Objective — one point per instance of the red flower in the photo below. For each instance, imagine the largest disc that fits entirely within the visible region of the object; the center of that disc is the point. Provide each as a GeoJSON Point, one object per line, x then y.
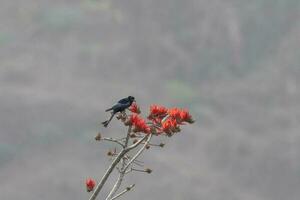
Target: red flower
{"type": "Point", "coordinates": [139, 124]}
{"type": "Point", "coordinates": [170, 126]}
{"type": "Point", "coordinates": [162, 120]}
{"type": "Point", "coordinates": [186, 117]}
{"type": "Point", "coordinates": [132, 119]}
{"type": "Point", "coordinates": [135, 108]}
{"type": "Point", "coordinates": [90, 184]}
{"type": "Point", "coordinates": [175, 113]}
{"type": "Point", "coordinates": [157, 111]}
{"type": "Point", "coordinates": [180, 115]}
{"type": "Point", "coordinates": [156, 120]}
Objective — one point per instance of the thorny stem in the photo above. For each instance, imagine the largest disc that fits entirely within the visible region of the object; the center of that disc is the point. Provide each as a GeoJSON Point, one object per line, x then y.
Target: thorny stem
{"type": "Point", "coordinates": [113, 165]}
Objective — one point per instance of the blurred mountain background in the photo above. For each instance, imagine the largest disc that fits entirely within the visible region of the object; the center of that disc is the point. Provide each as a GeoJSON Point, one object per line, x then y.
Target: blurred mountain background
{"type": "Point", "coordinates": [234, 64]}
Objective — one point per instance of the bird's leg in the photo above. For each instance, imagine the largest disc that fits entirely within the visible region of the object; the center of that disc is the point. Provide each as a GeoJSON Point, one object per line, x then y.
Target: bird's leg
{"type": "Point", "coordinates": [105, 123]}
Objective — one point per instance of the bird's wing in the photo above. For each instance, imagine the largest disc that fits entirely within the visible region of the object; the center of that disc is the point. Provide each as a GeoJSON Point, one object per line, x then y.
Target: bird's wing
{"type": "Point", "coordinates": [114, 107]}
{"type": "Point", "coordinates": [118, 105]}
{"type": "Point", "coordinates": [123, 101]}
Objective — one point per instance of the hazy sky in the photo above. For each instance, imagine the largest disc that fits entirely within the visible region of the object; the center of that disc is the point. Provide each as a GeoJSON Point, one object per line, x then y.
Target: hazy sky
{"type": "Point", "coordinates": [63, 64]}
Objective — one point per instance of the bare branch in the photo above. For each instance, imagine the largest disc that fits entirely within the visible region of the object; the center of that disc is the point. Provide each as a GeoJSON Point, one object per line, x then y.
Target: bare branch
{"type": "Point", "coordinates": [137, 143]}
{"type": "Point", "coordinates": [127, 138]}
{"type": "Point", "coordinates": [113, 140]}
{"type": "Point", "coordinates": [121, 173]}
{"type": "Point", "coordinates": [138, 164]}
{"type": "Point", "coordinates": [117, 184]}
{"type": "Point", "coordinates": [138, 153]}
{"type": "Point", "coordinates": [109, 170]}
{"type": "Point", "coordinates": [115, 162]}
{"type": "Point", "coordinates": [123, 192]}
{"type": "Point", "coordinates": [128, 171]}
{"type": "Point", "coordinates": [124, 168]}
{"type": "Point", "coordinates": [107, 173]}
{"type": "Point", "coordinates": [139, 170]}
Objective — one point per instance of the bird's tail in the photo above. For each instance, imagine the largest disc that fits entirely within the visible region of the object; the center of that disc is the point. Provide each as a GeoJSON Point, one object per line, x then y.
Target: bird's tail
{"type": "Point", "coordinates": [108, 109]}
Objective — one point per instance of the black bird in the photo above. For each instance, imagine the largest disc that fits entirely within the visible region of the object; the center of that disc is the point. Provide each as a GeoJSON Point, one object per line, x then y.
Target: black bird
{"type": "Point", "coordinates": [119, 107]}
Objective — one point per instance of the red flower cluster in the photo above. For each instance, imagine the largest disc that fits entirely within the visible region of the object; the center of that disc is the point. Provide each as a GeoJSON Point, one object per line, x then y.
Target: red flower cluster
{"type": "Point", "coordinates": [169, 119]}
{"type": "Point", "coordinates": [170, 126]}
{"type": "Point", "coordinates": [162, 120]}
{"type": "Point", "coordinates": [180, 115]}
{"type": "Point", "coordinates": [157, 111]}
{"type": "Point", "coordinates": [90, 184]}
{"type": "Point", "coordinates": [139, 124]}
{"type": "Point", "coordinates": [135, 108]}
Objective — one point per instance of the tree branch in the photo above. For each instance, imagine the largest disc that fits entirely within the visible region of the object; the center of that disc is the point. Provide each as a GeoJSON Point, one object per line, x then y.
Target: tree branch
{"type": "Point", "coordinates": [125, 166]}
{"type": "Point", "coordinates": [117, 184]}
{"type": "Point", "coordinates": [109, 170]}
{"type": "Point", "coordinates": [113, 140]}
{"type": "Point", "coordinates": [137, 143]}
{"type": "Point", "coordinates": [107, 173]}
{"type": "Point", "coordinates": [121, 175]}
{"type": "Point", "coordinates": [123, 192]}
{"type": "Point", "coordinates": [138, 153]}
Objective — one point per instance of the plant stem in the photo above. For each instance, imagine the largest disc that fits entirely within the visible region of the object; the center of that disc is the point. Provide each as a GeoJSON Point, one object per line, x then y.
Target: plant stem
{"type": "Point", "coordinates": [123, 192]}
{"type": "Point", "coordinates": [124, 168]}
{"type": "Point", "coordinates": [113, 165]}
{"type": "Point", "coordinates": [106, 175]}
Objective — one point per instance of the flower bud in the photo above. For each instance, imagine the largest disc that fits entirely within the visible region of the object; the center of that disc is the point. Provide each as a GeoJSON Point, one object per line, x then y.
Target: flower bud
{"type": "Point", "coordinates": [134, 108]}
{"type": "Point", "coordinates": [162, 145]}
{"type": "Point", "coordinates": [109, 153]}
{"type": "Point", "coordinates": [98, 137]}
{"type": "Point", "coordinates": [90, 184]}
{"type": "Point", "coordinates": [148, 170]}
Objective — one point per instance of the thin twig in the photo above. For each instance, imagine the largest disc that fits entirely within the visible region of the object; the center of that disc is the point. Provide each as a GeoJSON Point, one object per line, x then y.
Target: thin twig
{"type": "Point", "coordinates": [113, 140]}
{"type": "Point", "coordinates": [138, 153]}
{"type": "Point", "coordinates": [127, 157]}
{"type": "Point", "coordinates": [137, 143]}
{"type": "Point", "coordinates": [128, 171]}
{"type": "Point", "coordinates": [138, 164]}
{"type": "Point", "coordinates": [117, 184]}
{"type": "Point", "coordinates": [127, 138]}
{"type": "Point", "coordinates": [109, 170]}
{"type": "Point", "coordinates": [121, 174]}
{"type": "Point", "coordinates": [107, 173]}
{"type": "Point", "coordinates": [123, 192]}
{"type": "Point", "coordinates": [113, 165]}
{"type": "Point", "coordinates": [139, 170]}
{"type": "Point", "coordinates": [123, 169]}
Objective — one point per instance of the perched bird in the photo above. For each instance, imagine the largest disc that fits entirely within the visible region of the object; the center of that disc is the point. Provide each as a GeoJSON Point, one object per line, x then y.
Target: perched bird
{"type": "Point", "coordinates": [119, 107]}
